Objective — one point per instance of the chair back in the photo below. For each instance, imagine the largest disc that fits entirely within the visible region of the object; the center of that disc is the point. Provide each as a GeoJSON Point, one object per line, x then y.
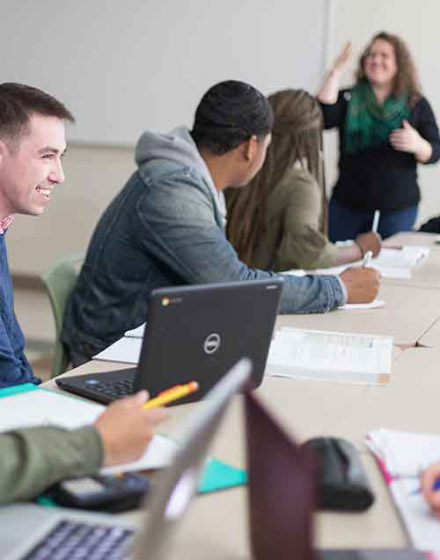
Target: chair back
{"type": "Point", "coordinates": [59, 281]}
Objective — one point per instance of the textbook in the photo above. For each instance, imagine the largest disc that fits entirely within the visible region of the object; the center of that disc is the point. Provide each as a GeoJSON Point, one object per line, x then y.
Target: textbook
{"type": "Point", "coordinates": [401, 457]}
{"type": "Point", "coordinates": [331, 356]}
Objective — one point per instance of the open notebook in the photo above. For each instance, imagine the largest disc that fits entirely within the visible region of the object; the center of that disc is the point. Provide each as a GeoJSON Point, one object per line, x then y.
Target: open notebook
{"type": "Point", "coordinates": [45, 407]}
{"type": "Point", "coordinates": [30, 406]}
{"type": "Point", "coordinates": [391, 263]}
{"type": "Point", "coordinates": [401, 456]}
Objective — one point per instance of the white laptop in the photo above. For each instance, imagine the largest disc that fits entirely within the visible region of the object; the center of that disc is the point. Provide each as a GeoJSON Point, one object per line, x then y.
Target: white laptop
{"type": "Point", "coordinates": [34, 532]}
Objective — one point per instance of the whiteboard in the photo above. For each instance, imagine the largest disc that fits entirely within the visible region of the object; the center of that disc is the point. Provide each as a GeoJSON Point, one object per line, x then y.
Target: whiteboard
{"type": "Point", "coordinates": [123, 66]}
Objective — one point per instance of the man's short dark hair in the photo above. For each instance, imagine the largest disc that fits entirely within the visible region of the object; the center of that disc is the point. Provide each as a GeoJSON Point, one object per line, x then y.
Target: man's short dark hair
{"type": "Point", "coordinates": [228, 115]}
{"type": "Point", "coordinates": [18, 102]}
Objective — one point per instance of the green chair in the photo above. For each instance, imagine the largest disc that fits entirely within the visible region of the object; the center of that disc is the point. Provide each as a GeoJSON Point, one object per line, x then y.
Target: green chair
{"type": "Point", "coordinates": [59, 281]}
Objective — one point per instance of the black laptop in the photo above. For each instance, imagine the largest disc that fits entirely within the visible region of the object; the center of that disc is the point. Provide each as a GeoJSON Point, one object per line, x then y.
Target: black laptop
{"type": "Point", "coordinates": [193, 333]}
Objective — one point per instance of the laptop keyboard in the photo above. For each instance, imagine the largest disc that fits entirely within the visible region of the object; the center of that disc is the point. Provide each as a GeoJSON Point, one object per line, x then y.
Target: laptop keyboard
{"type": "Point", "coordinates": [113, 389]}
{"type": "Point", "coordinates": [80, 541]}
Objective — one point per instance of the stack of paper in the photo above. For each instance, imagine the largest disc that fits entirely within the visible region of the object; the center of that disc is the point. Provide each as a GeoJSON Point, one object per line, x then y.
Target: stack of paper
{"type": "Point", "coordinates": [408, 256]}
{"type": "Point", "coordinates": [397, 263]}
{"type": "Point", "coordinates": [391, 263]}
{"type": "Point", "coordinates": [401, 457]}
{"type": "Point", "coordinates": [335, 356]}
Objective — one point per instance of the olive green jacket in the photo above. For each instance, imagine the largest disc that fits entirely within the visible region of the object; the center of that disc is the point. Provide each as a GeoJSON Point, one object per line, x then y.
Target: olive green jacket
{"type": "Point", "coordinates": [292, 238]}
{"type": "Point", "coordinates": [33, 459]}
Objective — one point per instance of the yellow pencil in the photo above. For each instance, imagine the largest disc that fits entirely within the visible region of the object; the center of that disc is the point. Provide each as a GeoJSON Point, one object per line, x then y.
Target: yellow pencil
{"type": "Point", "coordinates": [172, 394]}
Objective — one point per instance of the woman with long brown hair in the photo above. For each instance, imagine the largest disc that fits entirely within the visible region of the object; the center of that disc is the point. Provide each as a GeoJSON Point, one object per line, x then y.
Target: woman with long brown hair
{"type": "Point", "coordinates": [277, 221]}
{"type": "Point", "coordinates": [385, 128]}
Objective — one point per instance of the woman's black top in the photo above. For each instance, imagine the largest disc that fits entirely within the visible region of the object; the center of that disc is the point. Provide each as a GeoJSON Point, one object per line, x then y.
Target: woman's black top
{"type": "Point", "coordinates": [380, 178]}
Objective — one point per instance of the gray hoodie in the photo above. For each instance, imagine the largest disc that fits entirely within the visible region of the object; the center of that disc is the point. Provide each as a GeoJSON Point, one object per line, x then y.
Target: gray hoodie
{"type": "Point", "coordinates": [178, 145]}
{"type": "Point", "coordinates": [165, 233]}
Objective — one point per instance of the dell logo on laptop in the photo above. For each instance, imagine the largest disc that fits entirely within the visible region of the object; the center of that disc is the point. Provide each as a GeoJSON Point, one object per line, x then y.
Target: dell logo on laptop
{"type": "Point", "coordinates": [212, 343]}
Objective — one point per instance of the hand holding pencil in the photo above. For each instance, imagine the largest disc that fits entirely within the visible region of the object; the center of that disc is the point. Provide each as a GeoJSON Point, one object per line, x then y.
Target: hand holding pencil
{"type": "Point", "coordinates": [126, 429]}
{"type": "Point", "coordinates": [370, 241]}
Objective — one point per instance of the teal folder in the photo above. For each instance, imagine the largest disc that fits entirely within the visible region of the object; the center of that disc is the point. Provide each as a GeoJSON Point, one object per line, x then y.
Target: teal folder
{"type": "Point", "coordinates": [16, 389]}
{"type": "Point", "coordinates": [218, 475]}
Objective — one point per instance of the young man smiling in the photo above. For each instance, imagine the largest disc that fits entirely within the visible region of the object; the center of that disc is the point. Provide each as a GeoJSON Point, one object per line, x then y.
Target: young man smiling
{"type": "Point", "coordinates": [32, 142]}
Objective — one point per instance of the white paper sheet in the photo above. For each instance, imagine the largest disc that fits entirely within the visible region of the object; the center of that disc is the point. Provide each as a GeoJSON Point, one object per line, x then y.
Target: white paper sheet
{"type": "Point", "coordinates": [404, 455]}
{"type": "Point", "coordinates": [127, 350]}
{"type": "Point", "coordinates": [375, 304]}
{"type": "Point", "coordinates": [407, 257]}
{"type": "Point", "coordinates": [138, 332]}
{"type": "Point", "coordinates": [48, 408]}
{"type": "Point", "coordinates": [394, 273]}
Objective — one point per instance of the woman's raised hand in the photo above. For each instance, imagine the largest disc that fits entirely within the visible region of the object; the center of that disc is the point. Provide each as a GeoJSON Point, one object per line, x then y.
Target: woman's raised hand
{"type": "Point", "coordinates": [343, 57]}
{"type": "Point", "coordinates": [328, 93]}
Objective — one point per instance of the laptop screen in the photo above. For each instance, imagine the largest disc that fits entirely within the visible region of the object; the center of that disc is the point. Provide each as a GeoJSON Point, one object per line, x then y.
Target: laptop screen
{"type": "Point", "coordinates": [199, 332]}
{"type": "Point", "coordinates": [178, 484]}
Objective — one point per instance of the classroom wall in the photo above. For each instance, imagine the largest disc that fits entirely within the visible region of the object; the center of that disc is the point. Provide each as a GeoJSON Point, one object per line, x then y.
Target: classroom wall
{"type": "Point", "coordinates": [96, 173]}
{"type": "Point", "coordinates": [124, 67]}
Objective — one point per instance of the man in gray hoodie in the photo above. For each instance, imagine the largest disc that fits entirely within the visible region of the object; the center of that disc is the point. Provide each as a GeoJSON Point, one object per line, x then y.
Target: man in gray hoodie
{"type": "Point", "coordinates": [167, 225]}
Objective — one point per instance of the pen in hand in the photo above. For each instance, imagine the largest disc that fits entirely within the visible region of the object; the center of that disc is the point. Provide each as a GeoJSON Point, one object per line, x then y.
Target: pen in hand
{"type": "Point", "coordinates": [367, 259]}
{"type": "Point", "coordinates": [435, 486]}
{"type": "Point", "coordinates": [375, 221]}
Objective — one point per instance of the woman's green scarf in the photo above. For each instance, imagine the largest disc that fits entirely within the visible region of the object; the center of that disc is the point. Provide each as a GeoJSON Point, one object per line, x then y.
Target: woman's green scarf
{"type": "Point", "coordinates": [367, 124]}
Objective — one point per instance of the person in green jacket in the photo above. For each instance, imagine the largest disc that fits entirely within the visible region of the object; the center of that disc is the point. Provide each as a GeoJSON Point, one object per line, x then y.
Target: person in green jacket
{"type": "Point", "coordinates": [32, 459]}
{"type": "Point", "coordinates": [277, 222]}
{"type": "Point", "coordinates": [32, 143]}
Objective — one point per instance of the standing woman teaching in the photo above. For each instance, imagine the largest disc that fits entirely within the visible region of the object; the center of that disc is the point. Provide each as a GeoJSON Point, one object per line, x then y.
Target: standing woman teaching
{"type": "Point", "coordinates": [385, 128]}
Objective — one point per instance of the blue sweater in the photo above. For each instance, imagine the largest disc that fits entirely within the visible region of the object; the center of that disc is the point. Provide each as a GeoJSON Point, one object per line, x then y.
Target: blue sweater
{"type": "Point", "coordinates": [14, 367]}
